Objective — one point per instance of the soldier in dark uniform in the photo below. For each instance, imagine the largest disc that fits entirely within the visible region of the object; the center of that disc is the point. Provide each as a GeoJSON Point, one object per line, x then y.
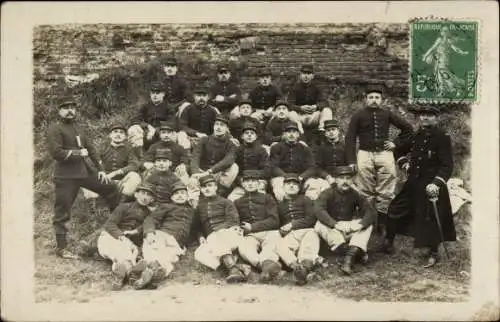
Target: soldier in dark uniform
{"type": "Point", "coordinates": [177, 92]}
{"type": "Point", "coordinates": [78, 165]}
{"type": "Point", "coordinates": [224, 93]}
{"type": "Point", "coordinates": [264, 96]}
{"type": "Point", "coordinates": [429, 166]}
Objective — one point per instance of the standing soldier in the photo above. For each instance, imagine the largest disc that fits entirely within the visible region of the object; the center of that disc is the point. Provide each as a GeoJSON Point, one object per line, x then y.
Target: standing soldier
{"type": "Point", "coordinates": [264, 96]}
{"type": "Point", "coordinates": [177, 92]}
{"type": "Point", "coordinates": [376, 178]}
{"type": "Point", "coordinates": [224, 93]}
{"type": "Point", "coordinates": [78, 165]}
{"type": "Point", "coordinates": [429, 166]}
{"type": "Point", "coordinates": [306, 99]}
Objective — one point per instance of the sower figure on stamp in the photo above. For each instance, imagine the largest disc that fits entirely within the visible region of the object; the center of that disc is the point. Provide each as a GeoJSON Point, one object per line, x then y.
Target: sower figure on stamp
{"type": "Point", "coordinates": [306, 100]}
{"type": "Point", "coordinates": [429, 167]}
{"type": "Point", "coordinates": [122, 235]}
{"type": "Point", "coordinates": [328, 155]}
{"type": "Point", "coordinates": [299, 247]}
{"type": "Point", "coordinates": [225, 93]}
{"type": "Point", "coordinates": [142, 130]}
{"type": "Point", "coordinates": [376, 177]}
{"type": "Point", "coordinates": [77, 165]}
{"type": "Point", "coordinates": [221, 233]}
{"type": "Point", "coordinates": [166, 231]}
{"type": "Point", "coordinates": [344, 216]}
{"type": "Point", "coordinates": [259, 219]}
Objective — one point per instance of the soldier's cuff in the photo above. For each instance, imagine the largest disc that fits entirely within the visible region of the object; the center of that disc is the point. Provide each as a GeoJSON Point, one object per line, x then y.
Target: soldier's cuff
{"type": "Point", "coordinates": [439, 181]}
{"type": "Point", "coordinates": [401, 161]}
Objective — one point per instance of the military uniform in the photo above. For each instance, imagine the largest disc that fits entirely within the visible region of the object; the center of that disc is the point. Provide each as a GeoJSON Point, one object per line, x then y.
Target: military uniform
{"type": "Point", "coordinates": [162, 181]}
{"type": "Point", "coordinates": [73, 171]}
{"type": "Point", "coordinates": [228, 89]}
{"type": "Point", "coordinates": [429, 153]}
{"type": "Point", "coordinates": [200, 119]}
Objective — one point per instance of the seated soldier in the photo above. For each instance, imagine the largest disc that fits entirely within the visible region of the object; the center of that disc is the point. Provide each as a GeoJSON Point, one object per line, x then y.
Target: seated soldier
{"type": "Point", "coordinates": [121, 236]}
{"type": "Point", "coordinates": [345, 216]}
{"type": "Point", "coordinates": [161, 177]}
{"type": "Point", "coordinates": [251, 155]}
{"type": "Point", "coordinates": [276, 125]}
{"type": "Point", "coordinates": [167, 142]}
{"type": "Point", "coordinates": [264, 96]}
{"type": "Point", "coordinates": [120, 162]}
{"type": "Point", "coordinates": [166, 231]}
{"type": "Point", "coordinates": [198, 119]}
{"type": "Point", "coordinates": [245, 112]}
{"type": "Point", "coordinates": [328, 155]}
{"type": "Point", "coordinates": [142, 132]}
{"type": "Point", "coordinates": [299, 246]}
{"type": "Point", "coordinates": [215, 154]}
{"type": "Point", "coordinates": [260, 222]}
{"type": "Point", "coordinates": [221, 233]}
{"type": "Point", "coordinates": [290, 156]}
{"type": "Point", "coordinates": [224, 92]}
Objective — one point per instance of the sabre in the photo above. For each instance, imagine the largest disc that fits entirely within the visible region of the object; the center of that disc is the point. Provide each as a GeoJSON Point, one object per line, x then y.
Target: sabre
{"type": "Point", "coordinates": [433, 200]}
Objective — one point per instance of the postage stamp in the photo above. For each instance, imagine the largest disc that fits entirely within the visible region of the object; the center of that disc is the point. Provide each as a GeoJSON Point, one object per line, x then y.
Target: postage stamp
{"type": "Point", "coordinates": [443, 61]}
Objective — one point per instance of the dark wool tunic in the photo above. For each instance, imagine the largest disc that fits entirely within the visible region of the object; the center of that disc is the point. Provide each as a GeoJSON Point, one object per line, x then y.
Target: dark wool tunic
{"type": "Point", "coordinates": [225, 89]}
{"type": "Point", "coordinates": [263, 97]}
{"type": "Point", "coordinates": [215, 153]}
{"type": "Point", "coordinates": [62, 145]}
{"type": "Point", "coordinates": [429, 152]}
{"type": "Point", "coordinates": [153, 114]}
{"type": "Point", "coordinates": [179, 154]}
{"type": "Point", "coordinates": [163, 181]}
{"type": "Point", "coordinates": [253, 157]}
{"type": "Point", "coordinates": [173, 219]}
{"type": "Point", "coordinates": [236, 126]}
{"type": "Point", "coordinates": [298, 210]}
{"type": "Point", "coordinates": [176, 90]}
{"type": "Point", "coordinates": [258, 209]}
{"type": "Point", "coordinates": [127, 216]}
{"type": "Point", "coordinates": [371, 125]}
{"type": "Point", "coordinates": [198, 119]}
{"type": "Point", "coordinates": [292, 158]}
{"type": "Point", "coordinates": [334, 205]}
{"type": "Point", "coordinates": [274, 129]}
{"type": "Point", "coordinates": [122, 157]}
{"type": "Point", "coordinates": [216, 213]}
{"type": "Point", "coordinates": [305, 94]}
{"type": "Point", "coordinates": [329, 155]}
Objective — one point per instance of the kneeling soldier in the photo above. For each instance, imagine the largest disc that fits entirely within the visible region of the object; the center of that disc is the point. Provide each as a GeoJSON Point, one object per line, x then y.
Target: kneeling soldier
{"type": "Point", "coordinates": [121, 236]}
{"type": "Point", "coordinates": [166, 232]}
{"type": "Point", "coordinates": [220, 224]}
{"type": "Point", "coordinates": [260, 222]}
{"type": "Point", "coordinates": [161, 177]}
{"type": "Point", "coordinates": [345, 216]}
{"type": "Point", "coordinates": [299, 246]}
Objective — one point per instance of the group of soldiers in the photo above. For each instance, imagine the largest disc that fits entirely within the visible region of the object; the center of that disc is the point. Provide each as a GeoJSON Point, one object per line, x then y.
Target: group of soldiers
{"type": "Point", "coordinates": [239, 175]}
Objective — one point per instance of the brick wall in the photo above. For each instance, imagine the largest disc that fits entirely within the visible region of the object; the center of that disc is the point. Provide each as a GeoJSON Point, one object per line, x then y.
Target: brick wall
{"type": "Point", "coordinates": [342, 54]}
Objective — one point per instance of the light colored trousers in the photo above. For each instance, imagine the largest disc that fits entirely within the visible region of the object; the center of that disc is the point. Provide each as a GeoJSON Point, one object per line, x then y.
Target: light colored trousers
{"type": "Point", "coordinates": [165, 249]}
{"type": "Point", "coordinates": [257, 113]}
{"type": "Point", "coordinates": [258, 247]}
{"type": "Point", "coordinates": [128, 185]}
{"type": "Point", "coordinates": [239, 192]}
{"type": "Point", "coordinates": [279, 191]}
{"type": "Point", "coordinates": [298, 245]}
{"type": "Point", "coordinates": [117, 250]}
{"type": "Point", "coordinates": [376, 178]}
{"type": "Point", "coordinates": [335, 238]}
{"type": "Point", "coordinates": [314, 187]}
{"type": "Point", "coordinates": [313, 119]}
{"type": "Point", "coordinates": [136, 136]}
{"type": "Point", "coordinates": [219, 243]}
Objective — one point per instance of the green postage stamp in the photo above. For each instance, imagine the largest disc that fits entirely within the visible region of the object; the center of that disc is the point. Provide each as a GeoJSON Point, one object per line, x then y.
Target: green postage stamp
{"type": "Point", "coordinates": [443, 61]}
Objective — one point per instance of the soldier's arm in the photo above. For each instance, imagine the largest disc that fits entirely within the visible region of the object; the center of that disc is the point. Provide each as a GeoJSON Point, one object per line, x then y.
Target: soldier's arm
{"type": "Point", "coordinates": [292, 99]}
{"type": "Point", "coordinates": [264, 164]}
{"type": "Point", "coordinates": [275, 159]}
{"type": "Point", "coordinates": [269, 137]}
{"type": "Point", "coordinates": [309, 164]}
{"type": "Point", "coordinates": [184, 122]}
{"type": "Point", "coordinates": [403, 125]}
{"type": "Point", "coordinates": [227, 161]}
{"type": "Point", "coordinates": [93, 155]}
{"type": "Point", "coordinates": [235, 90]}
{"type": "Point", "coordinates": [350, 139]}
{"type": "Point", "coordinates": [153, 220]}
{"type": "Point", "coordinates": [366, 210]}
{"type": "Point", "coordinates": [445, 159]}
{"type": "Point", "coordinates": [139, 116]}
{"type": "Point", "coordinates": [318, 158]}
{"type": "Point", "coordinates": [320, 209]}
{"type": "Point", "coordinates": [134, 162]}
{"type": "Point", "coordinates": [402, 149]}
{"type": "Point", "coordinates": [184, 158]}
{"type": "Point", "coordinates": [271, 221]}
{"type": "Point", "coordinates": [196, 157]}
{"type": "Point", "coordinates": [309, 218]}
{"type": "Point", "coordinates": [55, 145]}
{"type": "Point", "coordinates": [111, 225]}
{"type": "Point", "coordinates": [186, 91]}
{"type": "Point", "coordinates": [231, 214]}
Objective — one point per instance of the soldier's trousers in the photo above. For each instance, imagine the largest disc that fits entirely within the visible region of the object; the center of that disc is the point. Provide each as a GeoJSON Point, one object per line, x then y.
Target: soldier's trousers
{"type": "Point", "coordinates": [66, 191]}
{"type": "Point", "coordinates": [313, 119]}
{"type": "Point", "coordinates": [258, 247]}
{"type": "Point", "coordinates": [335, 238]}
{"type": "Point", "coordinates": [165, 249]}
{"type": "Point", "coordinates": [376, 178]}
{"type": "Point", "coordinates": [298, 246]}
{"type": "Point", "coordinates": [219, 243]}
{"type": "Point", "coordinates": [118, 251]}
{"type": "Point", "coordinates": [315, 186]}
{"type": "Point", "coordinates": [128, 185]}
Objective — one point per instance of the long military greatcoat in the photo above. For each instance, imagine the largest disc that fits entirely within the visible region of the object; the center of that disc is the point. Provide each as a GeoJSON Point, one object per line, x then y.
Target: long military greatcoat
{"type": "Point", "coordinates": [429, 152]}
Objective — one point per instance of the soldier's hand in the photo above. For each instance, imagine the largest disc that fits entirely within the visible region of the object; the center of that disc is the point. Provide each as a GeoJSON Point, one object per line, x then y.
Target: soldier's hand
{"type": "Point", "coordinates": [432, 190]}
{"type": "Point", "coordinates": [355, 226]}
{"type": "Point", "coordinates": [200, 135]}
{"type": "Point", "coordinates": [219, 98]}
{"type": "Point", "coordinates": [150, 238]}
{"type": "Point", "coordinates": [235, 141]}
{"type": "Point", "coordinates": [246, 227]}
{"type": "Point", "coordinates": [131, 232]}
{"type": "Point", "coordinates": [232, 96]}
{"type": "Point", "coordinates": [84, 152]}
{"type": "Point", "coordinates": [330, 179]}
{"type": "Point", "coordinates": [389, 146]}
{"type": "Point", "coordinates": [101, 175]}
{"type": "Point", "coordinates": [202, 240]}
{"type": "Point", "coordinates": [284, 230]}
{"type": "Point", "coordinates": [342, 226]}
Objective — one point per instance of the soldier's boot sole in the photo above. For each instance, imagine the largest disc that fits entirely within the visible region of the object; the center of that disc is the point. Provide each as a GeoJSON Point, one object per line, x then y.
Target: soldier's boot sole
{"type": "Point", "coordinates": [235, 276]}
{"type": "Point", "coordinates": [145, 279]}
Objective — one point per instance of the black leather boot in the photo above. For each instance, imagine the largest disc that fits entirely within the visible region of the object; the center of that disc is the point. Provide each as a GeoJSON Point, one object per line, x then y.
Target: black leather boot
{"type": "Point", "coordinates": [270, 270]}
{"type": "Point", "coordinates": [234, 273]}
{"type": "Point", "coordinates": [349, 259]}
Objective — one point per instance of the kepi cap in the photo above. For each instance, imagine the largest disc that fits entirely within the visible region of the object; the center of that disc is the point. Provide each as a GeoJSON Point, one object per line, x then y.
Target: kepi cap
{"type": "Point", "coordinates": [251, 174]}
{"type": "Point", "coordinates": [157, 87]}
{"type": "Point", "coordinates": [283, 103]}
{"type": "Point", "coordinates": [307, 68]}
{"type": "Point", "coordinates": [425, 110]}
{"type": "Point", "coordinates": [222, 118]}
{"type": "Point", "coordinates": [291, 126]}
{"type": "Point", "coordinates": [330, 124]}
{"type": "Point", "coordinates": [222, 67]}
{"type": "Point", "coordinates": [206, 179]}
{"type": "Point", "coordinates": [374, 88]}
{"type": "Point", "coordinates": [171, 61]}
{"type": "Point", "coordinates": [165, 125]}
{"type": "Point", "coordinates": [117, 125]}
{"type": "Point", "coordinates": [178, 186]}
{"type": "Point", "coordinates": [344, 170]}
{"type": "Point", "coordinates": [264, 72]}
{"type": "Point", "coordinates": [292, 177]}
{"type": "Point", "coordinates": [145, 186]}
{"type": "Point", "coordinates": [163, 154]}
{"type": "Point", "coordinates": [66, 104]}
{"type": "Point", "coordinates": [249, 126]}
